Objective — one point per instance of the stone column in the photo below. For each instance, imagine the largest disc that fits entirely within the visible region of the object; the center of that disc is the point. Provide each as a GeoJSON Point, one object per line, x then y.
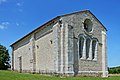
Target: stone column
{"type": "Point", "coordinates": [56, 31]}
{"type": "Point", "coordinates": [90, 51]}
{"type": "Point", "coordinates": [32, 41]}
{"type": "Point", "coordinates": [104, 60]}
{"type": "Point", "coordinates": [84, 50]}
{"type": "Point", "coordinates": [62, 48]}
{"type": "Point", "coordinates": [65, 58]}
{"type": "Point", "coordinates": [76, 55]}
{"type": "Point", "coordinates": [70, 50]}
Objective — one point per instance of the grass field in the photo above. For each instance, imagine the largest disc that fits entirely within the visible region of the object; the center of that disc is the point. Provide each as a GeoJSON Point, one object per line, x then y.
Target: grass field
{"type": "Point", "coordinates": [9, 75]}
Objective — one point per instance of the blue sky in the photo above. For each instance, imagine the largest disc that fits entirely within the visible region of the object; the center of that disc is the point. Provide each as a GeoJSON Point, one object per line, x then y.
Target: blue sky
{"type": "Point", "coordinates": [19, 17]}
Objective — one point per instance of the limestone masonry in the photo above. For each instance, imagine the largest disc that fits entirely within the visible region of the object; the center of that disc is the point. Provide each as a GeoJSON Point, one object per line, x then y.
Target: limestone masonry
{"type": "Point", "coordinates": [70, 45]}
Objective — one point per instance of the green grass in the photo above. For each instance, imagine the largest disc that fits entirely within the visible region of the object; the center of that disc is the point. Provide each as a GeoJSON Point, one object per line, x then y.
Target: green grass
{"type": "Point", "coordinates": [9, 75]}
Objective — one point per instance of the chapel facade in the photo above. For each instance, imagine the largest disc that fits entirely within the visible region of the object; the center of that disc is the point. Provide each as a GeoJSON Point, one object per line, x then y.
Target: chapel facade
{"type": "Point", "coordinates": [71, 45]}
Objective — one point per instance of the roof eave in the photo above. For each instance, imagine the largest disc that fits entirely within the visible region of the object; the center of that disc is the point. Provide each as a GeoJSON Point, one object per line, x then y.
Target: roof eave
{"type": "Point", "coordinates": [42, 26]}
{"type": "Point", "coordinates": [55, 19]}
{"type": "Point", "coordinates": [98, 20]}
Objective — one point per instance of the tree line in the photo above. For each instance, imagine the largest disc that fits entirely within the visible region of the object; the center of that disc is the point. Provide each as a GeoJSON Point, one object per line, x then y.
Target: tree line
{"type": "Point", "coordinates": [114, 70]}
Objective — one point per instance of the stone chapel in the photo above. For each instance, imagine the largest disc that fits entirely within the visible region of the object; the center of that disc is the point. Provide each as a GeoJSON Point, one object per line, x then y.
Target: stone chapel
{"type": "Point", "coordinates": [70, 45]}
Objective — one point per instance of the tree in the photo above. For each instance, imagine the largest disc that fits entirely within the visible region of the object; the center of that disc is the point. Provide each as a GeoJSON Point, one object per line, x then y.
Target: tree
{"type": "Point", "coordinates": [4, 58]}
{"type": "Point", "coordinates": [114, 70]}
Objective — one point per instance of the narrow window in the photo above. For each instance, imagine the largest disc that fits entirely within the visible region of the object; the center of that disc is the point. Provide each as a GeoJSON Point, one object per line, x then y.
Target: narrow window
{"type": "Point", "coordinates": [94, 46]}
{"type": "Point", "coordinates": [51, 41]}
{"type": "Point", "coordinates": [37, 46]}
{"type": "Point", "coordinates": [81, 43]}
{"type": "Point", "coordinates": [87, 47]}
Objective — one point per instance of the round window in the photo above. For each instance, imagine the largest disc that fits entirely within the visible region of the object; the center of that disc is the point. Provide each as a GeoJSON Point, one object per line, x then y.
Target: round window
{"type": "Point", "coordinates": [88, 25]}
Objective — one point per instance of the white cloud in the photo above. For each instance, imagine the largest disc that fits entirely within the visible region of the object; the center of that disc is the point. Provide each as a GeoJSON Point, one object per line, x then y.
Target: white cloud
{"type": "Point", "coordinates": [2, 1]}
{"type": "Point", "coordinates": [17, 24]}
{"type": "Point", "coordinates": [4, 25]}
{"type": "Point", "coordinates": [19, 4]}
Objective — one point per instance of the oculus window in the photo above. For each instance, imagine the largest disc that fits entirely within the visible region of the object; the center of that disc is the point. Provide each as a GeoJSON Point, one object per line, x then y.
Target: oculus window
{"type": "Point", "coordinates": [88, 25]}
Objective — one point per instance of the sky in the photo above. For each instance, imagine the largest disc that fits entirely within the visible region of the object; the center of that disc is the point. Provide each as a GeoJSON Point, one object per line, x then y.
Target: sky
{"type": "Point", "coordinates": [19, 17]}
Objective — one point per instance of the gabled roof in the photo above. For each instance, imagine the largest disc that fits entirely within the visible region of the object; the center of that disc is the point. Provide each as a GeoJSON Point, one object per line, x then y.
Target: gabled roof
{"type": "Point", "coordinates": [58, 17]}
{"type": "Point", "coordinates": [85, 11]}
{"type": "Point", "coordinates": [40, 27]}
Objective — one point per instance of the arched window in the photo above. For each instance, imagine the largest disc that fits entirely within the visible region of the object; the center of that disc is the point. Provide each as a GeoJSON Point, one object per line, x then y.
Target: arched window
{"type": "Point", "coordinates": [87, 47]}
{"type": "Point", "coordinates": [81, 44]}
{"type": "Point", "coordinates": [93, 48]}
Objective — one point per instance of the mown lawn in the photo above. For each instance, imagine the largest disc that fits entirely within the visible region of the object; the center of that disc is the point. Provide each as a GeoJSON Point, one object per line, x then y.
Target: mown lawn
{"type": "Point", "coordinates": [9, 75]}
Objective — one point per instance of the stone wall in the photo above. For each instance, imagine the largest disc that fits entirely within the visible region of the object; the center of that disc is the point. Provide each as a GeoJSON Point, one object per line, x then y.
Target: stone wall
{"type": "Point", "coordinates": [35, 51]}
{"type": "Point", "coordinates": [76, 21]}
{"type": "Point", "coordinates": [44, 53]}
{"type": "Point", "coordinates": [26, 55]}
{"type": "Point", "coordinates": [54, 48]}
